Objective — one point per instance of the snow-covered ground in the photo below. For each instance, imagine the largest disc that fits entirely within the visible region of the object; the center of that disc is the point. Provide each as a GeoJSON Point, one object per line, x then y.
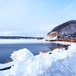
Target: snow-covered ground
{"type": "Point", "coordinates": [60, 63]}
{"type": "Point", "coordinates": [12, 41]}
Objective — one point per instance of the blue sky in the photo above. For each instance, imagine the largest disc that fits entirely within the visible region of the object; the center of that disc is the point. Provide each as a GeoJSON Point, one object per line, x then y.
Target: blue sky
{"type": "Point", "coordinates": [34, 17]}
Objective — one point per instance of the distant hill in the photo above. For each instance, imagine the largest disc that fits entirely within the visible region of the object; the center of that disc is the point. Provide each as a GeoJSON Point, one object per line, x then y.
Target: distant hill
{"type": "Point", "coordinates": [19, 37]}
{"type": "Point", "coordinates": [66, 30]}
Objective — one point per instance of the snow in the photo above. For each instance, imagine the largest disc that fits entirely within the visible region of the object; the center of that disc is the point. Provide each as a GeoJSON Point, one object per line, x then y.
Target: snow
{"type": "Point", "coordinates": [12, 41]}
{"type": "Point", "coordinates": [50, 38]}
{"type": "Point", "coordinates": [60, 63]}
{"type": "Point", "coordinates": [6, 65]}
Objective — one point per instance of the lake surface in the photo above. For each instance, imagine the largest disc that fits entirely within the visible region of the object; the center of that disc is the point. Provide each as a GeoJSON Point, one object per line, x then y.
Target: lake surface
{"type": "Point", "coordinates": [7, 49]}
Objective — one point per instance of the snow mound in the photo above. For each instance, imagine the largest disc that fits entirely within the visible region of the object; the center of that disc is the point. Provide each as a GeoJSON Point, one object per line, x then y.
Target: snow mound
{"type": "Point", "coordinates": [21, 55]}
{"type": "Point", "coordinates": [60, 63]}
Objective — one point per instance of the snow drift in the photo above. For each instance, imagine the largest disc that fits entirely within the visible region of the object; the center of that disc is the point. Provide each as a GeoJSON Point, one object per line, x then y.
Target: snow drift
{"type": "Point", "coordinates": [60, 63]}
